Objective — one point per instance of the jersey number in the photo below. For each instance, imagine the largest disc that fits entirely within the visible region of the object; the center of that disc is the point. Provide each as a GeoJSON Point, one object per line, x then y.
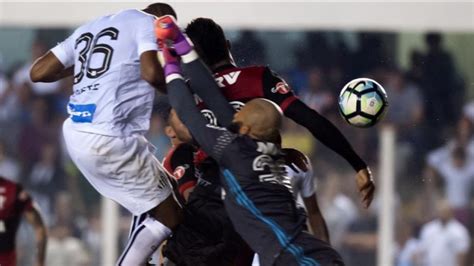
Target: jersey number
{"type": "Point", "coordinates": [92, 45]}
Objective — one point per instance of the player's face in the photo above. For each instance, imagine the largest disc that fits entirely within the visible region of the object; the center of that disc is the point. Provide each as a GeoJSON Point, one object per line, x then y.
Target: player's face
{"type": "Point", "coordinates": [181, 131]}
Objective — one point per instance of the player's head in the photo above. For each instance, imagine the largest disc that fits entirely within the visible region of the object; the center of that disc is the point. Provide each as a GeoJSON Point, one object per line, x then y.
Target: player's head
{"type": "Point", "coordinates": [209, 41]}
{"type": "Point", "coordinates": [160, 9]}
{"type": "Point", "coordinates": [445, 211]}
{"type": "Point", "coordinates": [3, 149]}
{"type": "Point", "coordinates": [175, 128]}
{"type": "Point", "coordinates": [434, 41]}
{"type": "Point", "coordinates": [459, 156]}
{"type": "Point", "coordinates": [260, 119]}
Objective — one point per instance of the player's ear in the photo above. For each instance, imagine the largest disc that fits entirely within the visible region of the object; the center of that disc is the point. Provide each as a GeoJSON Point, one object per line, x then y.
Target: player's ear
{"type": "Point", "coordinates": [244, 130]}
{"type": "Point", "coordinates": [169, 131]}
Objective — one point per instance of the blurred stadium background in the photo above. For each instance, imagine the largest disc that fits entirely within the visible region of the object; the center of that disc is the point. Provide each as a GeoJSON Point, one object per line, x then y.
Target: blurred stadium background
{"type": "Point", "coordinates": [420, 52]}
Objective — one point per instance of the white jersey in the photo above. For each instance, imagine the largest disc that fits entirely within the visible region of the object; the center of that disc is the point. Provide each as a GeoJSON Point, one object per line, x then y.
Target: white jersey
{"type": "Point", "coordinates": [109, 97]}
{"type": "Point", "coordinates": [440, 244]}
{"type": "Point", "coordinates": [300, 175]}
{"type": "Point", "coordinates": [302, 182]}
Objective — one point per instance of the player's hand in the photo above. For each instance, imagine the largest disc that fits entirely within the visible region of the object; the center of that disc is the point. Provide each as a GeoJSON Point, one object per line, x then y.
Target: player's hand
{"type": "Point", "coordinates": [365, 185]}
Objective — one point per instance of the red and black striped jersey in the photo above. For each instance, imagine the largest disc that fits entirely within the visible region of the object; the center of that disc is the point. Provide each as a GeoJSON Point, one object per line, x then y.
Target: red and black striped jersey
{"type": "Point", "coordinates": [14, 201]}
{"type": "Point", "coordinates": [240, 85]}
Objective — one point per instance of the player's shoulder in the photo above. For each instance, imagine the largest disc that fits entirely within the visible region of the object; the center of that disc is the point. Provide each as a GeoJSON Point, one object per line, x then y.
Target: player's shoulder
{"type": "Point", "coordinates": [11, 188]}
{"type": "Point", "coordinates": [6, 183]}
{"type": "Point", "coordinates": [244, 145]}
{"type": "Point", "coordinates": [431, 227]}
{"type": "Point", "coordinates": [133, 13]}
{"type": "Point", "coordinates": [258, 71]}
{"type": "Point", "coordinates": [294, 156]}
{"type": "Point", "coordinates": [457, 228]}
{"type": "Point", "coordinates": [127, 17]}
{"type": "Point", "coordinates": [243, 71]}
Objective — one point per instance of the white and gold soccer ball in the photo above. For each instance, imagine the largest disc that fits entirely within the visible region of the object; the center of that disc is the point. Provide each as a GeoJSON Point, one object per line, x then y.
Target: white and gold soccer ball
{"type": "Point", "coordinates": [363, 102]}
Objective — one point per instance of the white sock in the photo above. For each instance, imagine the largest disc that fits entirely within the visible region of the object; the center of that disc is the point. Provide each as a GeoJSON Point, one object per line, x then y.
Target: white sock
{"type": "Point", "coordinates": [145, 239]}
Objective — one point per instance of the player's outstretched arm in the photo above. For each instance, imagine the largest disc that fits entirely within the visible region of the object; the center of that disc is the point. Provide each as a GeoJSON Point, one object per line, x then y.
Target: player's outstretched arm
{"type": "Point", "coordinates": [329, 135]}
{"type": "Point", "coordinates": [182, 100]}
{"type": "Point", "coordinates": [325, 131]}
{"type": "Point", "coordinates": [316, 219]}
{"type": "Point", "coordinates": [203, 84]}
{"type": "Point", "coordinates": [277, 90]}
{"type": "Point", "coordinates": [151, 70]}
{"type": "Point", "coordinates": [48, 68]}
{"type": "Point", "coordinates": [34, 218]}
{"type": "Point", "coordinates": [212, 140]}
{"type": "Point", "coordinates": [201, 80]}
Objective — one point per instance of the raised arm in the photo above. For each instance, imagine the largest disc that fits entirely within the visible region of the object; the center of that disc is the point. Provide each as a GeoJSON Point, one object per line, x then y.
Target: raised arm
{"type": "Point", "coordinates": [277, 90]}
{"type": "Point", "coordinates": [150, 68]}
{"type": "Point", "coordinates": [324, 131]}
{"type": "Point", "coordinates": [330, 136]}
{"type": "Point", "coordinates": [182, 100]}
{"type": "Point", "coordinates": [213, 140]}
{"type": "Point", "coordinates": [203, 84]}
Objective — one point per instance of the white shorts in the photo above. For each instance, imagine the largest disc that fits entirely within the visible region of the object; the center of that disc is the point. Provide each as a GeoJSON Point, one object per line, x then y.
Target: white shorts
{"type": "Point", "coordinates": [123, 169]}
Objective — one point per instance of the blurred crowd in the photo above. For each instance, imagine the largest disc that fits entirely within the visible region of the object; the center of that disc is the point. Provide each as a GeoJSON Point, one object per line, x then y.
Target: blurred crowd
{"type": "Point", "coordinates": [428, 110]}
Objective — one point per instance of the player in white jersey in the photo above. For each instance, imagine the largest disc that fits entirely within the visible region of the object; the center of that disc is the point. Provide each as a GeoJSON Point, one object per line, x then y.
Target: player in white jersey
{"type": "Point", "coordinates": [301, 178]}
{"type": "Point", "coordinates": [114, 63]}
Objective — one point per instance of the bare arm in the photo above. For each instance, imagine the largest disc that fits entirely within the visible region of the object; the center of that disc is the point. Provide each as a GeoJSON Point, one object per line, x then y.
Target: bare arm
{"type": "Point", "coordinates": [34, 218]}
{"type": "Point", "coordinates": [48, 68]}
{"type": "Point", "coordinates": [151, 70]}
{"type": "Point", "coordinates": [461, 258]}
{"type": "Point", "coordinates": [316, 219]}
{"type": "Point", "coordinates": [361, 241]}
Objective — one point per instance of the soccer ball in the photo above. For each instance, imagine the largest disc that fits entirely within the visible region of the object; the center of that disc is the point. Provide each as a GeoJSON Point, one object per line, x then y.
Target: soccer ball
{"type": "Point", "coordinates": [363, 102]}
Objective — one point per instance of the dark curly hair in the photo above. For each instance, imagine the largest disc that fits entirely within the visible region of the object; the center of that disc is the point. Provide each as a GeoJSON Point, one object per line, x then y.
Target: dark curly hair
{"type": "Point", "coordinates": [209, 40]}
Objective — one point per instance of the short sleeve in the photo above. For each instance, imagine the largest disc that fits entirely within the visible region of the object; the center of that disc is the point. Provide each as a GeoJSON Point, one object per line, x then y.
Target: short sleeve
{"type": "Point", "coordinates": [64, 51]}
{"type": "Point", "coordinates": [277, 90]}
{"type": "Point", "coordinates": [145, 35]}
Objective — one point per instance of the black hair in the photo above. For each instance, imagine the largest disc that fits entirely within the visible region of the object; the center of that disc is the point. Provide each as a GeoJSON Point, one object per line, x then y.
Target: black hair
{"type": "Point", "coordinates": [209, 40]}
{"type": "Point", "coordinates": [160, 9]}
{"type": "Point", "coordinates": [162, 107]}
{"type": "Point", "coordinates": [433, 38]}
